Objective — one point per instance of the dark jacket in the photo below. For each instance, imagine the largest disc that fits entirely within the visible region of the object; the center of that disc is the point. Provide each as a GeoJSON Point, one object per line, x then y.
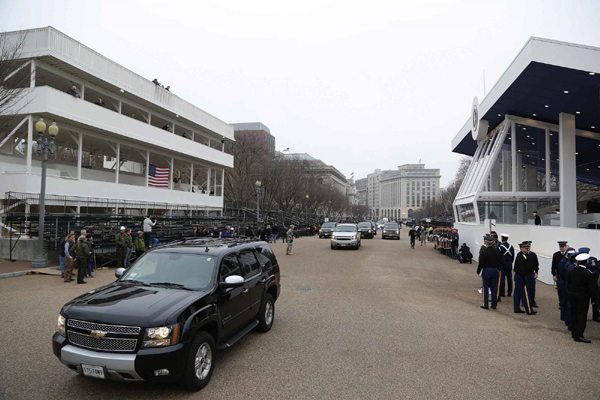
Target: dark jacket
{"type": "Point", "coordinates": [80, 251]}
{"type": "Point", "coordinates": [556, 257]}
{"type": "Point", "coordinates": [121, 241]}
{"type": "Point", "coordinates": [581, 283]}
{"type": "Point", "coordinates": [508, 253]}
{"type": "Point", "coordinates": [526, 263]}
{"type": "Point", "coordinates": [491, 258]}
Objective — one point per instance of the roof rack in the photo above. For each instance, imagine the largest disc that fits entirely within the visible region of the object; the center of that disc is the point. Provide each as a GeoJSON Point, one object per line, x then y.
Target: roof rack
{"type": "Point", "coordinates": [214, 242]}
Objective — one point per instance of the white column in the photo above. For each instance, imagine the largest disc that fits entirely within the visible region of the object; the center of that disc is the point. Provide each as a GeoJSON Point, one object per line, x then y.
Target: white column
{"type": "Point", "coordinates": [149, 118]}
{"type": "Point", "coordinates": [120, 106]}
{"type": "Point", "coordinates": [29, 143]}
{"type": "Point", "coordinates": [82, 92]}
{"type": "Point", "coordinates": [548, 167]}
{"type": "Point", "coordinates": [223, 182]}
{"type": "Point", "coordinates": [567, 165]}
{"type": "Point", "coordinates": [147, 168]}
{"type": "Point", "coordinates": [223, 145]}
{"type": "Point", "coordinates": [173, 127]}
{"type": "Point", "coordinates": [191, 176]}
{"type": "Point", "coordinates": [208, 181]}
{"type": "Point", "coordinates": [79, 155]}
{"type": "Point", "coordinates": [33, 74]}
{"type": "Point", "coordinates": [118, 163]}
{"type": "Point", "coordinates": [171, 172]}
{"type": "Point", "coordinates": [513, 150]}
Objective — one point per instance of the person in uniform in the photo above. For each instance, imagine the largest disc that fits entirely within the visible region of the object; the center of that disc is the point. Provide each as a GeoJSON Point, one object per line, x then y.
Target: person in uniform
{"type": "Point", "coordinates": [564, 269]}
{"type": "Point", "coordinates": [521, 290]}
{"type": "Point", "coordinates": [121, 244]}
{"type": "Point", "coordinates": [290, 239]}
{"type": "Point", "coordinates": [556, 258]}
{"type": "Point", "coordinates": [80, 252]}
{"type": "Point", "coordinates": [581, 288]}
{"type": "Point", "coordinates": [129, 248]}
{"type": "Point", "coordinates": [508, 257]}
{"type": "Point", "coordinates": [490, 265]}
{"type": "Point", "coordinates": [561, 282]}
{"type": "Point", "coordinates": [594, 267]}
{"type": "Point", "coordinates": [140, 245]}
{"type": "Point", "coordinates": [538, 220]}
{"type": "Point", "coordinates": [533, 267]}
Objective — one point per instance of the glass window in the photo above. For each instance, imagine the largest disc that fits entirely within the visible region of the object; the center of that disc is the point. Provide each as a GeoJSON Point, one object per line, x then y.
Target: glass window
{"type": "Point", "coordinates": [249, 263]}
{"type": "Point", "coordinates": [230, 266]}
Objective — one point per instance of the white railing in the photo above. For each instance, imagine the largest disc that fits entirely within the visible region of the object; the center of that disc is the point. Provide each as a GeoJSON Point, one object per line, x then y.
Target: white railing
{"type": "Point", "coordinates": [49, 40]}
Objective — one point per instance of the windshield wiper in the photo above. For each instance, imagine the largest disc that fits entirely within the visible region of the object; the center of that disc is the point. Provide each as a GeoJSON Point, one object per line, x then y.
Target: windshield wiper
{"type": "Point", "coordinates": [134, 282]}
{"type": "Point", "coordinates": [171, 284]}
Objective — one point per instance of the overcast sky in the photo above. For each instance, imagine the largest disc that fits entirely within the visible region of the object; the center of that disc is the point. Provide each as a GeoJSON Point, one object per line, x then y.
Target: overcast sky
{"type": "Point", "coordinates": [361, 85]}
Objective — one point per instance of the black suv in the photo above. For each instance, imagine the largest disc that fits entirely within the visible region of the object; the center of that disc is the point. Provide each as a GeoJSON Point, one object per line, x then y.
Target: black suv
{"type": "Point", "coordinates": [326, 229]}
{"type": "Point", "coordinates": [366, 230]}
{"type": "Point", "coordinates": [167, 315]}
{"type": "Point", "coordinates": [390, 230]}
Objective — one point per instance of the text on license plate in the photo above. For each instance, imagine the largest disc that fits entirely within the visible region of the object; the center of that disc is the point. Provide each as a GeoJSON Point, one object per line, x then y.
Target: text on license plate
{"type": "Point", "coordinates": [93, 370]}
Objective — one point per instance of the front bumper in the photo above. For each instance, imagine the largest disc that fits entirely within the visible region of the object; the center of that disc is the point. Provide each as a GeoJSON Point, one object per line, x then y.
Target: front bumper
{"type": "Point", "coordinates": [394, 235]}
{"type": "Point", "coordinates": [344, 243]}
{"type": "Point", "coordinates": [128, 367]}
{"type": "Point", "coordinates": [366, 234]}
{"type": "Point", "coordinates": [325, 234]}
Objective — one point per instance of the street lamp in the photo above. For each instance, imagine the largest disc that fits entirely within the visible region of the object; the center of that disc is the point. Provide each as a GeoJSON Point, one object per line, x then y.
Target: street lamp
{"type": "Point", "coordinates": [307, 196]}
{"type": "Point", "coordinates": [44, 147]}
{"type": "Point", "coordinates": [257, 184]}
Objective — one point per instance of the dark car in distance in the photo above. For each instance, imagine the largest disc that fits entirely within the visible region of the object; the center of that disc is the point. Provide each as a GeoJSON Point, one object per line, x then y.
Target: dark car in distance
{"type": "Point", "coordinates": [390, 230]}
{"type": "Point", "coordinates": [165, 317]}
{"type": "Point", "coordinates": [326, 230]}
{"type": "Point", "coordinates": [366, 230]}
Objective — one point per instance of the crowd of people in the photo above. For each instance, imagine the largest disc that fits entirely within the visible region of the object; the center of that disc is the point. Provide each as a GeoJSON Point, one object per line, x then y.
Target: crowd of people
{"type": "Point", "coordinates": [157, 83]}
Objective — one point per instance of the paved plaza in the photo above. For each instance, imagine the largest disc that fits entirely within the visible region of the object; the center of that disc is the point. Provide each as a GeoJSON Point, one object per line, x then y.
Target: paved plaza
{"type": "Point", "coordinates": [384, 322]}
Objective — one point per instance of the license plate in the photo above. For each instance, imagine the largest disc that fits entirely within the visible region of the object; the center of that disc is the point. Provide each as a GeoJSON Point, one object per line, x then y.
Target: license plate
{"type": "Point", "coordinates": [93, 371]}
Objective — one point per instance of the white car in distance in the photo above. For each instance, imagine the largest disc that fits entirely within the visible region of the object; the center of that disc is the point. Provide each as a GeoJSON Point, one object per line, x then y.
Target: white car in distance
{"type": "Point", "coordinates": [345, 235]}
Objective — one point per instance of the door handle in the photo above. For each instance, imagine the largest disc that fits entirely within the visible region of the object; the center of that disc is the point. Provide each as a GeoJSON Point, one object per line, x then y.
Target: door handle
{"type": "Point", "coordinates": [263, 280]}
{"type": "Point", "coordinates": [245, 291]}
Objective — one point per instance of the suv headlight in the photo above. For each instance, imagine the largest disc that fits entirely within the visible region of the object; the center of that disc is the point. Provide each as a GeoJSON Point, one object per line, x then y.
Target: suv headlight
{"type": "Point", "coordinates": [397, 232]}
{"type": "Point", "coordinates": [320, 230]}
{"type": "Point", "coordinates": [60, 328]}
{"type": "Point", "coordinates": [354, 237]}
{"type": "Point", "coordinates": [369, 231]}
{"type": "Point", "coordinates": [161, 336]}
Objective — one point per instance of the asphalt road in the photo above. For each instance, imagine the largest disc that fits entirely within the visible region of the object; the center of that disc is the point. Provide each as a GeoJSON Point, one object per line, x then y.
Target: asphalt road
{"type": "Point", "coordinates": [381, 322]}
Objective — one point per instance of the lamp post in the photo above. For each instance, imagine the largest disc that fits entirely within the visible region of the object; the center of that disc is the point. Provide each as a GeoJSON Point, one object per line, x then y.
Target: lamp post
{"type": "Point", "coordinates": [257, 184]}
{"type": "Point", "coordinates": [306, 209]}
{"type": "Point", "coordinates": [44, 147]}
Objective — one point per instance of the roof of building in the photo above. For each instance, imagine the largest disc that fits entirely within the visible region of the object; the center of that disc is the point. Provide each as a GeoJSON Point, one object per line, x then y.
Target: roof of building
{"type": "Point", "coordinates": [250, 126]}
{"type": "Point", "coordinates": [546, 77]}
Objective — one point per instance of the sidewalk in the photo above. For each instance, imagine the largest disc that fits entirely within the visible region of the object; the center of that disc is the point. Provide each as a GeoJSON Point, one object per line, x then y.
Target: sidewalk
{"type": "Point", "coordinates": [23, 267]}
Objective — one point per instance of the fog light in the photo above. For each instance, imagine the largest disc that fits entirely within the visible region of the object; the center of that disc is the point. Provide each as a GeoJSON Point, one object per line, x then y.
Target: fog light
{"type": "Point", "coordinates": [161, 372]}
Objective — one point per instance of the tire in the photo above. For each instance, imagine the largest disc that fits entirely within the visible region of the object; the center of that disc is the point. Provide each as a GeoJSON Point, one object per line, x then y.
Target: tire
{"type": "Point", "coordinates": [266, 315]}
{"type": "Point", "coordinates": [332, 247]}
{"type": "Point", "coordinates": [320, 237]}
{"type": "Point", "coordinates": [202, 346]}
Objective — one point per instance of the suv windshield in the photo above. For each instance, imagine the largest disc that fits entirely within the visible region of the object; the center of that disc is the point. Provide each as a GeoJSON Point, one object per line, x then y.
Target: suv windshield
{"type": "Point", "coordinates": [194, 271]}
{"type": "Point", "coordinates": [328, 225]}
{"type": "Point", "coordinates": [365, 225]}
{"type": "Point", "coordinates": [391, 226]}
{"type": "Point", "coordinates": [345, 229]}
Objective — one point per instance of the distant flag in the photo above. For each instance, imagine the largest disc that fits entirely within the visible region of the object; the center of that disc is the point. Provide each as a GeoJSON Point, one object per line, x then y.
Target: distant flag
{"type": "Point", "coordinates": [158, 176]}
{"type": "Point", "coordinates": [287, 149]}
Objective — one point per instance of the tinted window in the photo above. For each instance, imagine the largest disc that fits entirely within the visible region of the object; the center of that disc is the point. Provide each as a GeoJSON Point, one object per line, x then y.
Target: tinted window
{"type": "Point", "coordinates": [266, 252]}
{"type": "Point", "coordinates": [230, 266]}
{"type": "Point", "coordinates": [328, 225]}
{"type": "Point", "coordinates": [249, 263]}
{"type": "Point", "coordinates": [390, 226]}
{"type": "Point", "coordinates": [190, 270]}
{"type": "Point", "coordinates": [364, 225]}
{"type": "Point", "coordinates": [346, 228]}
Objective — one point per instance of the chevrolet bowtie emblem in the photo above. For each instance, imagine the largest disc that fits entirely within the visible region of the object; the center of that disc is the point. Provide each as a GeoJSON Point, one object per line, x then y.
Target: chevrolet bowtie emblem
{"type": "Point", "coordinates": [97, 334]}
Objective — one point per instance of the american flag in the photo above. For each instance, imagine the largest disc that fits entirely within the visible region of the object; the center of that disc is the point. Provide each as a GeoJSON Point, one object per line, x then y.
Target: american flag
{"type": "Point", "coordinates": [158, 176]}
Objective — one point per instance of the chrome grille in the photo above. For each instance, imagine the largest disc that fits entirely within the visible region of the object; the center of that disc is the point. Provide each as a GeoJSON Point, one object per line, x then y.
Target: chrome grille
{"type": "Point", "coordinates": [91, 326]}
{"type": "Point", "coordinates": [112, 344]}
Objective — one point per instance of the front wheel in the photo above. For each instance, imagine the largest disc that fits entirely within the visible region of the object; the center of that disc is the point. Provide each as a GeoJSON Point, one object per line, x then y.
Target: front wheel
{"type": "Point", "coordinates": [332, 247]}
{"type": "Point", "coordinates": [266, 316]}
{"type": "Point", "coordinates": [200, 362]}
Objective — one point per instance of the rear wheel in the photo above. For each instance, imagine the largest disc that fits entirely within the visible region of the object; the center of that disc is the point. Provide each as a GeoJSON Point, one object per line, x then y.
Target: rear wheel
{"type": "Point", "coordinates": [266, 316]}
{"type": "Point", "coordinates": [200, 362]}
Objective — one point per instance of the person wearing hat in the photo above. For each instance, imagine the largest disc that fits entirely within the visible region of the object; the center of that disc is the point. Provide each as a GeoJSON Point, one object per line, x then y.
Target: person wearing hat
{"type": "Point", "coordinates": [121, 245]}
{"type": "Point", "coordinates": [80, 252]}
{"type": "Point", "coordinates": [533, 267]}
{"type": "Point", "coordinates": [594, 267]}
{"type": "Point", "coordinates": [508, 257]}
{"type": "Point", "coordinates": [581, 288]}
{"type": "Point", "coordinates": [521, 290]}
{"type": "Point", "coordinates": [537, 219]}
{"type": "Point", "coordinates": [290, 239]}
{"type": "Point", "coordinates": [557, 257]}
{"type": "Point", "coordinates": [564, 269]}
{"type": "Point", "coordinates": [490, 265]}
{"type": "Point", "coordinates": [129, 250]}
{"type": "Point", "coordinates": [139, 244]}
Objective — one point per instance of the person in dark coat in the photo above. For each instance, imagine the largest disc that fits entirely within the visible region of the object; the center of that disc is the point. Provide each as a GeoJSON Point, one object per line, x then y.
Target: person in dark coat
{"type": "Point", "coordinates": [121, 246]}
{"type": "Point", "coordinates": [80, 252]}
{"type": "Point", "coordinates": [581, 288]}
{"type": "Point", "coordinates": [508, 257]}
{"type": "Point", "coordinates": [215, 232]}
{"type": "Point", "coordinates": [521, 293]}
{"type": "Point", "coordinates": [465, 254]}
{"type": "Point", "coordinates": [490, 266]}
{"type": "Point", "coordinates": [538, 220]}
{"type": "Point", "coordinates": [594, 266]}
{"type": "Point", "coordinates": [556, 258]}
{"type": "Point", "coordinates": [90, 260]}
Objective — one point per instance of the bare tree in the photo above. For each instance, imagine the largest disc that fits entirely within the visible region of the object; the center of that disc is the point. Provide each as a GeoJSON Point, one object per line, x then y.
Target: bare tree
{"type": "Point", "coordinates": [15, 74]}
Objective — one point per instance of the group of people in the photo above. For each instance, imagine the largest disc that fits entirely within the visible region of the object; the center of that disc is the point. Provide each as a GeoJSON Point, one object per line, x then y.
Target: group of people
{"type": "Point", "coordinates": [125, 244]}
{"type": "Point", "coordinates": [157, 83]}
{"type": "Point", "coordinates": [445, 240]}
{"type": "Point", "coordinates": [576, 274]}
{"type": "Point", "coordinates": [574, 271]}
{"type": "Point", "coordinates": [77, 255]}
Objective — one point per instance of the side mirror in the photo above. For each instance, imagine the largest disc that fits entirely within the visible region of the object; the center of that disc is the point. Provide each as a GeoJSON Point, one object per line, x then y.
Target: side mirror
{"type": "Point", "coordinates": [119, 272]}
{"type": "Point", "coordinates": [233, 281]}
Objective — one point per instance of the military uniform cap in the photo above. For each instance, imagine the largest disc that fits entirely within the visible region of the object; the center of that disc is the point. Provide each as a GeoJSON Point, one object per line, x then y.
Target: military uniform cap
{"type": "Point", "coordinates": [525, 243]}
{"type": "Point", "coordinates": [488, 238]}
{"type": "Point", "coordinates": [562, 242]}
{"type": "Point", "coordinates": [582, 257]}
{"type": "Point", "coordinates": [584, 250]}
{"type": "Point", "coordinates": [573, 254]}
{"type": "Point", "coordinates": [505, 235]}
